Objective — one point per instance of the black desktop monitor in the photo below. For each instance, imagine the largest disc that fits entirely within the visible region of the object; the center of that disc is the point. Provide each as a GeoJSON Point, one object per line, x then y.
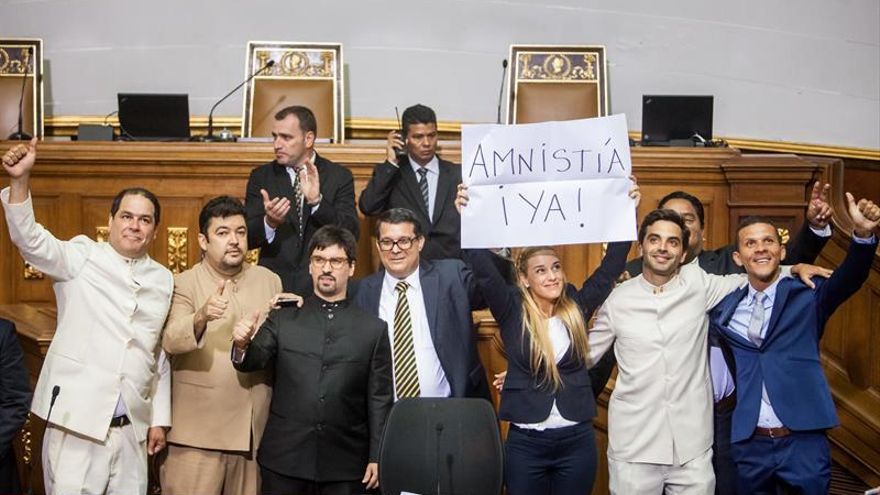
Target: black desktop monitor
{"type": "Point", "coordinates": [148, 116]}
{"type": "Point", "coordinates": [668, 118]}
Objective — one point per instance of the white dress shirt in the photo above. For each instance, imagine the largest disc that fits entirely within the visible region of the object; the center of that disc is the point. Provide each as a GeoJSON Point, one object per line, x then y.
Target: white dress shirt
{"type": "Point", "coordinates": [432, 378]}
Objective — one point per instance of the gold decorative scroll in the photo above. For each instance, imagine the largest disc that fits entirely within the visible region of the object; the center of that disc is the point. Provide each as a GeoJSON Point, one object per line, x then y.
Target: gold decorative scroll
{"type": "Point", "coordinates": [177, 260]}
{"type": "Point", "coordinates": [784, 234]}
{"type": "Point", "coordinates": [27, 441]}
{"type": "Point", "coordinates": [31, 273]}
{"type": "Point", "coordinates": [102, 233]}
{"type": "Point", "coordinates": [556, 66]}
{"type": "Point", "coordinates": [307, 63]}
{"type": "Point", "coordinates": [14, 60]}
{"type": "Point", "coordinates": [252, 256]}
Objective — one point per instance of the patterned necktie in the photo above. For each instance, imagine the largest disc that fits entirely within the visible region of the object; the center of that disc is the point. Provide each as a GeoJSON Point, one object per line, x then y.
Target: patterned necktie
{"type": "Point", "coordinates": [298, 201]}
{"type": "Point", "coordinates": [423, 186]}
{"type": "Point", "coordinates": [755, 325]}
{"type": "Point", "coordinates": [406, 377]}
{"type": "Point", "coordinates": [757, 320]}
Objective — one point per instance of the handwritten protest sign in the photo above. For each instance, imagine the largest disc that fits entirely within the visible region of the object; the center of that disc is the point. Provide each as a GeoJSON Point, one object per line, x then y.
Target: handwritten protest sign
{"type": "Point", "coordinates": [548, 183]}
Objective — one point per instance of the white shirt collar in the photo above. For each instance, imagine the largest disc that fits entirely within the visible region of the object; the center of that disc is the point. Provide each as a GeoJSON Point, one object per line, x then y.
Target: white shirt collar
{"type": "Point", "coordinates": [433, 166]}
{"type": "Point", "coordinates": [390, 282]}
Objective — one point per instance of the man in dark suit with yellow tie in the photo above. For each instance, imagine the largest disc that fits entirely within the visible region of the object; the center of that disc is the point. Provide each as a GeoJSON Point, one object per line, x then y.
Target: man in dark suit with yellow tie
{"type": "Point", "coordinates": [427, 305]}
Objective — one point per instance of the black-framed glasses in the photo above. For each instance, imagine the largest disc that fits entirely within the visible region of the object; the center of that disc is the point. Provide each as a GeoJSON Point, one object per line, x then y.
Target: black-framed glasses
{"type": "Point", "coordinates": [403, 243]}
{"type": "Point", "coordinates": [335, 263]}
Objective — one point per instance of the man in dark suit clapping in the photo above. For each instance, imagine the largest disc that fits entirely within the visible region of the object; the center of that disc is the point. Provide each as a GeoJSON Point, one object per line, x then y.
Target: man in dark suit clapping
{"type": "Point", "coordinates": [293, 196]}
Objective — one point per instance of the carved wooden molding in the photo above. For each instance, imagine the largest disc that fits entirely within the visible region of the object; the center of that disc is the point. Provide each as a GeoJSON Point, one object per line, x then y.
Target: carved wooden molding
{"type": "Point", "coordinates": [102, 233]}
{"type": "Point", "coordinates": [252, 256]}
{"type": "Point", "coordinates": [177, 259]}
{"type": "Point", "coordinates": [31, 273]}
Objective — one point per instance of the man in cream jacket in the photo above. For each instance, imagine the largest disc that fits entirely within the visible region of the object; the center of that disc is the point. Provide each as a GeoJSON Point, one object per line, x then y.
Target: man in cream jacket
{"type": "Point", "coordinates": [100, 376]}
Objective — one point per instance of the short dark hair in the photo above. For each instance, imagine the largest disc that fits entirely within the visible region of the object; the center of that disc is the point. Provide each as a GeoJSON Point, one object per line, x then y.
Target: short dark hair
{"type": "Point", "coordinates": [417, 114]}
{"type": "Point", "coordinates": [219, 207]}
{"type": "Point", "coordinates": [136, 191]}
{"type": "Point", "coordinates": [334, 235]}
{"type": "Point", "coordinates": [399, 215]}
{"type": "Point", "coordinates": [696, 203]}
{"type": "Point", "coordinates": [305, 116]}
{"type": "Point", "coordinates": [669, 216]}
{"type": "Point", "coordinates": [754, 219]}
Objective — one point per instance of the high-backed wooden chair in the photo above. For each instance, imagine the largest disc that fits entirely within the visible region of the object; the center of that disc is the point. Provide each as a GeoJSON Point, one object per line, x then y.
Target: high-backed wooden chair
{"type": "Point", "coordinates": [19, 66]}
{"type": "Point", "coordinates": [548, 82]}
{"type": "Point", "coordinates": [308, 74]}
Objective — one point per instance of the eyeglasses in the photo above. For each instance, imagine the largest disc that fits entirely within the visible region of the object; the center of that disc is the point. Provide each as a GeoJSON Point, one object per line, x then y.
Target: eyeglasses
{"type": "Point", "coordinates": [335, 263]}
{"type": "Point", "coordinates": [403, 243]}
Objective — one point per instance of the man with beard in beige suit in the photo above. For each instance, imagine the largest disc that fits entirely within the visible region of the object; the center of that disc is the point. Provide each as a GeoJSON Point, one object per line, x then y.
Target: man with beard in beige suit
{"type": "Point", "coordinates": [219, 413]}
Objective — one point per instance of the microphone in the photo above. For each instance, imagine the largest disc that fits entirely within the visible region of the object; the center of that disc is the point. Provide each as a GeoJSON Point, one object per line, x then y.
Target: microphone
{"type": "Point", "coordinates": [55, 391]}
{"type": "Point", "coordinates": [107, 117]}
{"type": "Point", "coordinates": [439, 428]}
{"type": "Point", "coordinates": [501, 90]}
{"type": "Point", "coordinates": [21, 135]}
{"type": "Point", "coordinates": [210, 136]}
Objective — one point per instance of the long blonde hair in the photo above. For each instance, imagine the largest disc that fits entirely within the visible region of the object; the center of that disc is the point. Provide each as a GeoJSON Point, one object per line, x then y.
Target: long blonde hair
{"type": "Point", "coordinates": [537, 325]}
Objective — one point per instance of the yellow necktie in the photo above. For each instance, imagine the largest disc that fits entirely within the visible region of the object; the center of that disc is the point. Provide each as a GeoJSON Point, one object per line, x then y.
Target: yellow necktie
{"type": "Point", "coordinates": [406, 376]}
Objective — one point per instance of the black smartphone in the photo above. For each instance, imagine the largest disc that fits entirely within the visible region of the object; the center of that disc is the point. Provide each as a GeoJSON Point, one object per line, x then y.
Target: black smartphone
{"type": "Point", "coordinates": [286, 303]}
{"type": "Point", "coordinates": [400, 152]}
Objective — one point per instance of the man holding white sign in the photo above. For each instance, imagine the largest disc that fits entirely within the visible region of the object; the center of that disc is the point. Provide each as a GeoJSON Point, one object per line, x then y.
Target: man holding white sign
{"type": "Point", "coordinates": [547, 183]}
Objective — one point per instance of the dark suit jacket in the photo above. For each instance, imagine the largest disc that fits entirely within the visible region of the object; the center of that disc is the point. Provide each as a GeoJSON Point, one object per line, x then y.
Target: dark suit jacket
{"type": "Point", "coordinates": [332, 391]}
{"type": "Point", "coordinates": [287, 255]}
{"type": "Point", "coordinates": [450, 294]}
{"type": "Point", "coordinates": [15, 399]}
{"type": "Point", "coordinates": [802, 249]}
{"type": "Point", "coordinates": [524, 399]}
{"type": "Point", "coordinates": [398, 187]}
{"type": "Point", "coordinates": [787, 362]}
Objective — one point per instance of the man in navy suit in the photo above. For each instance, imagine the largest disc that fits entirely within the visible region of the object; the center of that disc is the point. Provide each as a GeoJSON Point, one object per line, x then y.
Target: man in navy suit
{"type": "Point", "coordinates": [15, 399]}
{"type": "Point", "coordinates": [783, 403]}
{"type": "Point", "coordinates": [435, 328]}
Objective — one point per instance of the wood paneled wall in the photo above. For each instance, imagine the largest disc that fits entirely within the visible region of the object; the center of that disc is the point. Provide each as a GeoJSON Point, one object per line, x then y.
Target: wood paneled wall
{"type": "Point", "coordinates": [73, 184]}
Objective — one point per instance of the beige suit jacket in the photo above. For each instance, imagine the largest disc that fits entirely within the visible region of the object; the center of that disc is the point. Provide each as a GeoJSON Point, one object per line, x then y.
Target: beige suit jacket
{"type": "Point", "coordinates": [661, 406]}
{"type": "Point", "coordinates": [212, 405]}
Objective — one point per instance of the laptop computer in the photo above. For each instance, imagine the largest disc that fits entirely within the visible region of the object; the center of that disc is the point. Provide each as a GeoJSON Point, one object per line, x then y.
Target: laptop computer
{"type": "Point", "coordinates": [674, 120]}
{"type": "Point", "coordinates": [154, 116]}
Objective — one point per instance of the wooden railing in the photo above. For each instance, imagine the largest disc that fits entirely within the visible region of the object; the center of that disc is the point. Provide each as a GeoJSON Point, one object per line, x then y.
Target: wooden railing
{"type": "Point", "coordinates": [73, 184]}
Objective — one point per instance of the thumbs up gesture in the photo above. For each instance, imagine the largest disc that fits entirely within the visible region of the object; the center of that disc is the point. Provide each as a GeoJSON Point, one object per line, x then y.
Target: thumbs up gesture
{"type": "Point", "coordinates": [244, 330]}
{"type": "Point", "coordinates": [215, 307]}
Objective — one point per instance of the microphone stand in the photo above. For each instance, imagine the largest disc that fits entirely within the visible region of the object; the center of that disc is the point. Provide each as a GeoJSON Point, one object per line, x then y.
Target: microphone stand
{"type": "Point", "coordinates": [501, 90]}
{"type": "Point", "coordinates": [21, 135]}
{"type": "Point", "coordinates": [55, 391]}
{"type": "Point", "coordinates": [210, 137]}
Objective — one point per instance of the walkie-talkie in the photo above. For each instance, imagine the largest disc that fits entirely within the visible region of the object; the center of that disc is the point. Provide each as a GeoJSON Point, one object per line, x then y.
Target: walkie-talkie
{"type": "Point", "coordinates": [400, 152]}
